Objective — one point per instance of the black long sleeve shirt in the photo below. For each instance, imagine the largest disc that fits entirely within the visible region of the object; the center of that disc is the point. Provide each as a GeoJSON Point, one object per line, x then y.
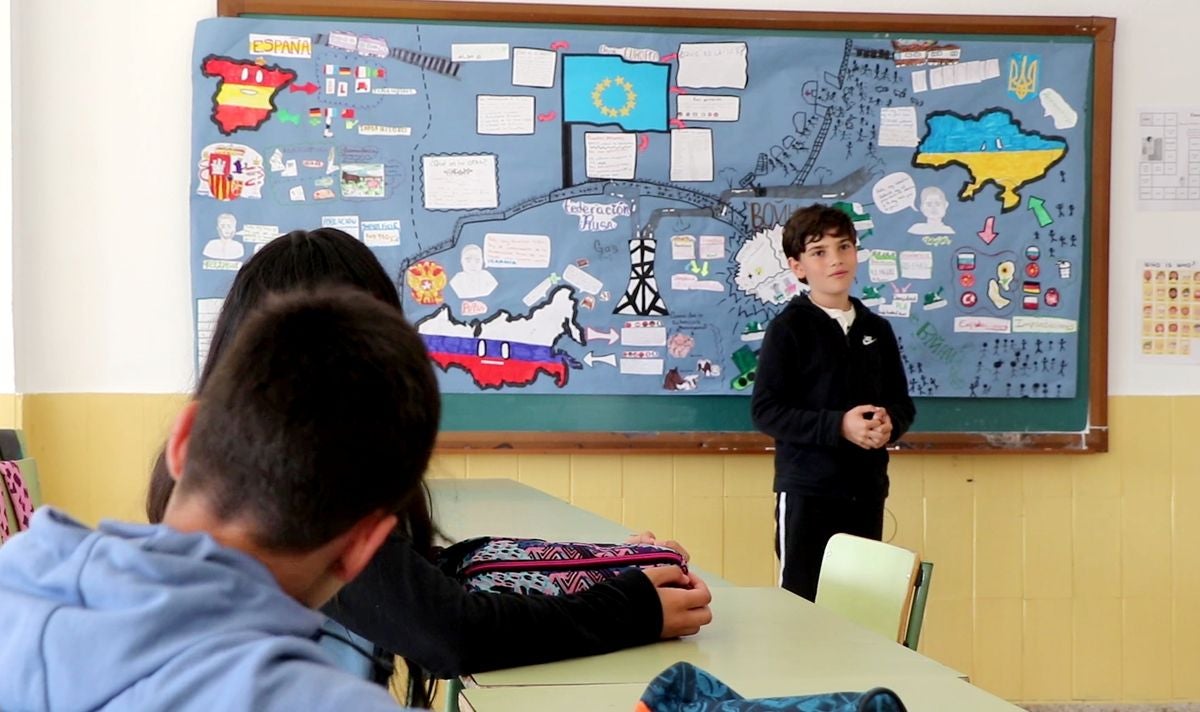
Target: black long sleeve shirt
{"type": "Point", "coordinates": [809, 374]}
{"type": "Point", "coordinates": [409, 607]}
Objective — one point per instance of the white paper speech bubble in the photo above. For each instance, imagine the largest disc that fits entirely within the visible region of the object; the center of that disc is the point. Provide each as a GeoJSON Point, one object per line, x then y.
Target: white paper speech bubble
{"type": "Point", "coordinates": [895, 192]}
{"type": "Point", "coordinates": [1057, 107]}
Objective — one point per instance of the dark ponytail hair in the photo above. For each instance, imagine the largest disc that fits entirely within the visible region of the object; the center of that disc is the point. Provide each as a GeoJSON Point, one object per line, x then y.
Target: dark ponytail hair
{"type": "Point", "coordinates": [306, 259]}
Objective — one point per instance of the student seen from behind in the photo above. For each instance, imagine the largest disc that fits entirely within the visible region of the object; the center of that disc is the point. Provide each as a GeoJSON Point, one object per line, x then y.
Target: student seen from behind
{"type": "Point", "coordinates": [831, 390]}
{"type": "Point", "coordinates": [403, 602]}
{"type": "Point", "coordinates": [310, 439]}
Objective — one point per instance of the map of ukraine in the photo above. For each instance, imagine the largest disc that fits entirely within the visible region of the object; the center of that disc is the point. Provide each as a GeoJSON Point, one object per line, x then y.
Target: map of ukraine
{"type": "Point", "coordinates": [245, 95]}
{"type": "Point", "coordinates": [992, 147]}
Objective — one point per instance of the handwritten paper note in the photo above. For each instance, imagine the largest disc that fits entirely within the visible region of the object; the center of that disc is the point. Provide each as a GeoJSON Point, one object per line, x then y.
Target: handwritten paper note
{"type": "Point", "coordinates": [920, 82]}
{"type": "Point", "coordinates": [460, 182]}
{"type": "Point", "coordinates": [884, 266]}
{"type": "Point", "coordinates": [346, 223]}
{"type": "Point", "coordinates": [916, 264]}
{"type": "Point", "coordinates": [207, 311]}
{"type": "Point", "coordinates": [898, 126]}
{"type": "Point", "coordinates": [533, 67]}
{"type": "Point", "coordinates": [381, 233]}
{"type": "Point", "coordinates": [516, 250]}
{"type": "Point", "coordinates": [712, 247]}
{"type": "Point", "coordinates": [712, 65]}
{"type": "Point", "coordinates": [683, 247]}
{"type": "Point", "coordinates": [503, 115]}
{"type": "Point", "coordinates": [691, 155]}
{"type": "Point", "coordinates": [492, 52]}
{"type": "Point", "coordinates": [701, 107]}
{"type": "Point", "coordinates": [611, 155]}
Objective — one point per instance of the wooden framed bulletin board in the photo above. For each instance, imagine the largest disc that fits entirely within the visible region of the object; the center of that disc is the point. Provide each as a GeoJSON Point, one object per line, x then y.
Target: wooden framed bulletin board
{"type": "Point", "coordinates": [582, 205]}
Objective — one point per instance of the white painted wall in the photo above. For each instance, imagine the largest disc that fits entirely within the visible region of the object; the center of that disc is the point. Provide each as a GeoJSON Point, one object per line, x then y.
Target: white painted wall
{"type": "Point", "coordinates": [7, 375]}
{"type": "Point", "coordinates": [101, 100]}
{"type": "Point", "coordinates": [101, 129]}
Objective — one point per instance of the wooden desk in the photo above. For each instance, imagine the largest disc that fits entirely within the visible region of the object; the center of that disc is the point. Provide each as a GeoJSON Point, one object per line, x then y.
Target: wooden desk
{"type": "Point", "coordinates": [469, 508]}
{"type": "Point", "coordinates": [757, 634]}
{"type": "Point", "coordinates": [920, 694]}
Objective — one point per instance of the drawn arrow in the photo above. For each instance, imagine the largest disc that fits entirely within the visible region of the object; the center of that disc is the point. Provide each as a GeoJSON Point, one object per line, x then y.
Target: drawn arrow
{"type": "Point", "coordinates": [988, 233]}
{"type": "Point", "coordinates": [643, 142]}
{"type": "Point", "coordinates": [678, 90]}
{"type": "Point", "coordinates": [610, 336]}
{"type": "Point", "coordinates": [548, 116]}
{"type": "Point", "coordinates": [560, 44]}
{"type": "Point", "coordinates": [610, 359]}
{"type": "Point", "coordinates": [308, 88]}
{"type": "Point", "coordinates": [668, 57]}
{"type": "Point", "coordinates": [1038, 206]}
{"type": "Point", "coordinates": [677, 123]}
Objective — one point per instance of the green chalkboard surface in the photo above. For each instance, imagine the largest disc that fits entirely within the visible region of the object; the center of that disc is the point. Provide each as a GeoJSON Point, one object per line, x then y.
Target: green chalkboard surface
{"type": "Point", "coordinates": [542, 421]}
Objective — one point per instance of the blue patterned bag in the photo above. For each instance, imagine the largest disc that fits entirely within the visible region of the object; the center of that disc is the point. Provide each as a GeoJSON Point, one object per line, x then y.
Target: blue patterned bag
{"type": "Point", "coordinates": [546, 567]}
{"type": "Point", "coordinates": [684, 687]}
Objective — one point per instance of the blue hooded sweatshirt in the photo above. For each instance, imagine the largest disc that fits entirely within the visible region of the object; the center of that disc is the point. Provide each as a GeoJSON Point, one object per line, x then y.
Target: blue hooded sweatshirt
{"type": "Point", "coordinates": [139, 617]}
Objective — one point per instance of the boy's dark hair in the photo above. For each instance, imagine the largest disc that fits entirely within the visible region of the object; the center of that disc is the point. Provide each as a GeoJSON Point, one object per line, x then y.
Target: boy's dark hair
{"type": "Point", "coordinates": [810, 224]}
{"type": "Point", "coordinates": [323, 409]}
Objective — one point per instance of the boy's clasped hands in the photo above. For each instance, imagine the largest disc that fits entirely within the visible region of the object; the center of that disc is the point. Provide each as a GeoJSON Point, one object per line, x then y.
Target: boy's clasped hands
{"type": "Point", "coordinates": [867, 426]}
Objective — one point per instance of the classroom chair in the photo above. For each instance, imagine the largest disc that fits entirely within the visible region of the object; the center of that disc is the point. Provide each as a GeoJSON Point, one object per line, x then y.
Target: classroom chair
{"type": "Point", "coordinates": [20, 494]}
{"type": "Point", "coordinates": [917, 615]}
{"type": "Point", "coordinates": [12, 444]}
{"type": "Point", "coordinates": [871, 583]}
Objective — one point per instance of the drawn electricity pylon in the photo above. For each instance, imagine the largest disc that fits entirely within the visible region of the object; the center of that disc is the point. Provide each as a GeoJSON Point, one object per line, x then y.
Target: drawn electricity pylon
{"type": "Point", "coordinates": [641, 296]}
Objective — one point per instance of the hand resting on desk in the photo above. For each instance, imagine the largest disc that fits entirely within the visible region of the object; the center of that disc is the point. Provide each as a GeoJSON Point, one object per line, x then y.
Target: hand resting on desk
{"type": "Point", "coordinates": [685, 600]}
{"type": "Point", "coordinates": [647, 537]}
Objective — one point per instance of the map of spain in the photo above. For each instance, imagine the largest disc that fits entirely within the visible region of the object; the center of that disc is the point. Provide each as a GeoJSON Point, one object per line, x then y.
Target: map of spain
{"type": "Point", "coordinates": [992, 147]}
{"type": "Point", "coordinates": [245, 95]}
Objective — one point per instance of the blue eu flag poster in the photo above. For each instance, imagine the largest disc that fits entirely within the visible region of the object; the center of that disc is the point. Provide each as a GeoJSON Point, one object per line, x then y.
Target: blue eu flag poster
{"type": "Point", "coordinates": [608, 90]}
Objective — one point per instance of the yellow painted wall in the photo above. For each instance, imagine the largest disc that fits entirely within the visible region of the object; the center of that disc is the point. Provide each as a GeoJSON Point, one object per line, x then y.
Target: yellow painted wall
{"type": "Point", "coordinates": [10, 410]}
{"type": "Point", "coordinates": [1056, 577]}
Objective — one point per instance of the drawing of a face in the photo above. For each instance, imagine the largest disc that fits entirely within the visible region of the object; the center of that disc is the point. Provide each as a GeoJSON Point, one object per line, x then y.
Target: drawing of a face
{"type": "Point", "coordinates": [226, 226]}
{"type": "Point", "coordinates": [934, 204]}
{"type": "Point", "coordinates": [472, 258]}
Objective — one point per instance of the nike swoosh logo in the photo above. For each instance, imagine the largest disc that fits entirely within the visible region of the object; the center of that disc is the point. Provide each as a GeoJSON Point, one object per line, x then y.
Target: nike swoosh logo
{"type": "Point", "coordinates": [868, 340]}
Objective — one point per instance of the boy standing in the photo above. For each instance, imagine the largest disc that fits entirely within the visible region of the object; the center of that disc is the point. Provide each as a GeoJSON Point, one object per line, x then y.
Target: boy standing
{"type": "Point", "coordinates": [313, 431]}
{"type": "Point", "coordinates": [831, 390]}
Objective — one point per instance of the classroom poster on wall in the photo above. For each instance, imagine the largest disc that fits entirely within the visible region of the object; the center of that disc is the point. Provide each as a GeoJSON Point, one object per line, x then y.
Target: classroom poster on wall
{"type": "Point", "coordinates": [1170, 309]}
{"type": "Point", "coordinates": [1168, 176]}
{"type": "Point", "coordinates": [583, 211]}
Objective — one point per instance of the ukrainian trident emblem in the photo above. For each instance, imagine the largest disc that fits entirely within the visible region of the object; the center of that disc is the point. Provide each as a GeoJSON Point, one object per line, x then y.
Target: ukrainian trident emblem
{"type": "Point", "coordinates": [1023, 75]}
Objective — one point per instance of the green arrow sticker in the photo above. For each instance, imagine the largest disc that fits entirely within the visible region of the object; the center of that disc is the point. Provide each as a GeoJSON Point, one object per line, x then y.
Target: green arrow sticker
{"type": "Point", "coordinates": [1038, 206]}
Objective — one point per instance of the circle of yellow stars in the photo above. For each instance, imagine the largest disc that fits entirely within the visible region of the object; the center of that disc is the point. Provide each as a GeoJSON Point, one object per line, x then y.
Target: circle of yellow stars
{"type": "Point", "coordinates": [603, 85]}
